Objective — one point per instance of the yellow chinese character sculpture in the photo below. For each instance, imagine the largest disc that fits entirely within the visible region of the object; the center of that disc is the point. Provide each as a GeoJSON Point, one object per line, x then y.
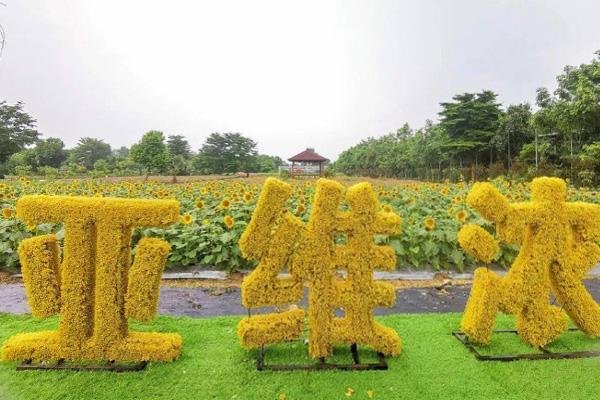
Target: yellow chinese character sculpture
{"type": "Point", "coordinates": [95, 288]}
{"type": "Point", "coordinates": [280, 240]}
{"type": "Point", "coordinates": [262, 287]}
{"type": "Point", "coordinates": [558, 247]}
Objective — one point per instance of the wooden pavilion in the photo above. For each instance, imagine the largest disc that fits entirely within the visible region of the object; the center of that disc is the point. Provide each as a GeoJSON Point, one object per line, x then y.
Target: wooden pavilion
{"type": "Point", "coordinates": [307, 163]}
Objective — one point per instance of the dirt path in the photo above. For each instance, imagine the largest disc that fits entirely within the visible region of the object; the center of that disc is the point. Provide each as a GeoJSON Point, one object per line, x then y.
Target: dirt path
{"type": "Point", "coordinates": [213, 301]}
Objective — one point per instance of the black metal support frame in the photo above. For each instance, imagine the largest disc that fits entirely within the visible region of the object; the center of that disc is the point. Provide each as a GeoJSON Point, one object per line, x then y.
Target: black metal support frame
{"type": "Point", "coordinates": [322, 364]}
{"type": "Point", "coordinates": [110, 366]}
{"type": "Point", "coordinates": [544, 355]}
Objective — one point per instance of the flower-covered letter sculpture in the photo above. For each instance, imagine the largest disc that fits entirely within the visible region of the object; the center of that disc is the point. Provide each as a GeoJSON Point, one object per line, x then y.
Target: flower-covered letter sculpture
{"type": "Point", "coordinates": [95, 288]}
{"type": "Point", "coordinates": [558, 247]}
{"type": "Point", "coordinates": [280, 240]}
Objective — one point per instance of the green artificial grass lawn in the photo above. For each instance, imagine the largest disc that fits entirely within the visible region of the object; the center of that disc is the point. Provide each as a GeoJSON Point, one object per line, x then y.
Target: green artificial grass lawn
{"type": "Point", "coordinates": [433, 365]}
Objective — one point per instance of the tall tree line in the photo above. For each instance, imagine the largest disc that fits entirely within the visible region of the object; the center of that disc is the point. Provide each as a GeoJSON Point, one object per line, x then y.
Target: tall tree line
{"type": "Point", "coordinates": [24, 152]}
{"type": "Point", "coordinates": [474, 135]}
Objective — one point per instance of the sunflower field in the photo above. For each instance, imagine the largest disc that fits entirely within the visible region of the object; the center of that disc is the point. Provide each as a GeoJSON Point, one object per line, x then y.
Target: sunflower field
{"type": "Point", "coordinates": [215, 213]}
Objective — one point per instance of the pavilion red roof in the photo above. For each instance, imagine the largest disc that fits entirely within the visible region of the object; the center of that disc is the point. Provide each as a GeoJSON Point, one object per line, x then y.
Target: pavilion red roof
{"type": "Point", "coordinates": [308, 155]}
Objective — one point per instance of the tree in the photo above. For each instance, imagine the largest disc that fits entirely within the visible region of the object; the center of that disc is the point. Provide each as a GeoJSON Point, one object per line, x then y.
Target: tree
{"type": "Point", "coordinates": [17, 130]}
{"type": "Point", "coordinates": [268, 163]}
{"type": "Point", "coordinates": [121, 152]}
{"type": "Point", "coordinates": [471, 121]}
{"type": "Point", "coordinates": [572, 112]}
{"type": "Point", "coordinates": [178, 146]}
{"type": "Point", "coordinates": [151, 152]}
{"type": "Point", "coordinates": [23, 160]}
{"type": "Point", "coordinates": [226, 153]}
{"type": "Point", "coordinates": [88, 151]}
{"type": "Point", "coordinates": [514, 131]}
{"type": "Point", "coordinates": [50, 152]}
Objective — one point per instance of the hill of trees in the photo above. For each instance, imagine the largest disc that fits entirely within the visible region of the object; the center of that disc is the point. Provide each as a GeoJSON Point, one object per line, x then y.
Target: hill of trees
{"type": "Point", "coordinates": [475, 137]}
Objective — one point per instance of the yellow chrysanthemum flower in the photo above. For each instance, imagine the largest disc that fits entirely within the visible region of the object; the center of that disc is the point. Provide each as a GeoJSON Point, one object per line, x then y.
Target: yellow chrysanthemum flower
{"type": "Point", "coordinates": [228, 220]}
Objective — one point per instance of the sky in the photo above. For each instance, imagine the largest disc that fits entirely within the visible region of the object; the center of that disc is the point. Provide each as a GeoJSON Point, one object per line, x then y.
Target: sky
{"type": "Point", "coordinates": [288, 74]}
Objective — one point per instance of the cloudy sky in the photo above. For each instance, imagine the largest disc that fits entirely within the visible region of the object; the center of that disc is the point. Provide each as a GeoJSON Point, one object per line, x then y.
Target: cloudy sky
{"type": "Point", "coordinates": [324, 74]}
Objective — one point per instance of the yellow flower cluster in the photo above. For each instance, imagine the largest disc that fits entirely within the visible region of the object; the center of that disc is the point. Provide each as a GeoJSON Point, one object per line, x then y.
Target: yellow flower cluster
{"type": "Point", "coordinates": [262, 287]}
{"type": "Point", "coordinates": [40, 261]}
{"type": "Point", "coordinates": [279, 239]}
{"type": "Point", "coordinates": [143, 282]}
{"type": "Point", "coordinates": [94, 275]}
{"type": "Point", "coordinates": [478, 242]}
{"type": "Point", "coordinates": [558, 247]}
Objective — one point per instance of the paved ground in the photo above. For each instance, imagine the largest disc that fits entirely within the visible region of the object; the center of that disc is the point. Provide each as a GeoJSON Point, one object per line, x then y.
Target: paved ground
{"type": "Point", "coordinates": [204, 302]}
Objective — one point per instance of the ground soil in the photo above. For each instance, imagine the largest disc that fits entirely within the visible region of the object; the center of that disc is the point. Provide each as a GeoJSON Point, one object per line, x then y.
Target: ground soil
{"type": "Point", "coordinates": [203, 299]}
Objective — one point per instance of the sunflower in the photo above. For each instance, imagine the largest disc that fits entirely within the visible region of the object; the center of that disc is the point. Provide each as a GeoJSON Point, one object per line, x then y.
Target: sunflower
{"type": "Point", "coordinates": [430, 224]}
{"type": "Point", "coordinates": [7, 213]}
{"type": "Point", "coordinates": [387, 208]}
{"type": "Point", "coordinates": [186, 219]}
{"type": "Point", "coordinates": [300, 209]}
{"type": "Point", "coordinates": [228, 220]}
{"type": "Point", "coordinates": [461, 216]}
{"type": "Point", "coordinates": [199, 204]}
{"type": "Point", "coordinates": [248, 197]}
{"type": "Point", "coordinates": [225, 204]}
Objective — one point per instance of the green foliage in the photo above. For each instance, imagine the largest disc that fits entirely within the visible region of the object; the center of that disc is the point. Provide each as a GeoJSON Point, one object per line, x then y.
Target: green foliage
{"type": "Point", "coordinates": [50, 152]}
{"type": "Point", "coordinates": [88, 151]}
{"type": "Point", "coordinates": [178, 146]}
{"type": "Point", "coordinates": [121, 152]}
{"type": "Point", "coordinates": [206, 240]}
{"type": "Point", "coordinates": [470, 121]}
{"type": "Point", "coordinates": [12, 232]}
{"type": "Point", "coordinates": [514, 131]}
{"type": "Point", "coordinates": [17, 129]}
{"type": "Point", "coordinates": [267, 163]}
{"type": "Point", "coordinates": [151, 152]}
{"type": "Point", "coordinates": [23, 160]}
{"type": "Point", "coordinates": [226, 153]}
{"type": "Point", "coordinates": [473, 134]}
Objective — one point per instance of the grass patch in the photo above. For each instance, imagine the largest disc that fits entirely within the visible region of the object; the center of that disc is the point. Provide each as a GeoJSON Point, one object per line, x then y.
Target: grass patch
{"type": "Point", "coordinates": [434, 365]}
